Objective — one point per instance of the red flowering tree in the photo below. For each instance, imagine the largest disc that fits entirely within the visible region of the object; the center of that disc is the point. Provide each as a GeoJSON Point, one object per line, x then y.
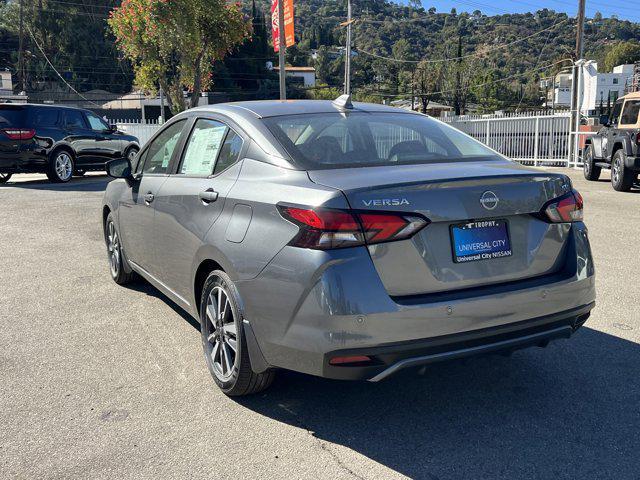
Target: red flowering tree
{"type": "Point", "coordinates": [173, 43]}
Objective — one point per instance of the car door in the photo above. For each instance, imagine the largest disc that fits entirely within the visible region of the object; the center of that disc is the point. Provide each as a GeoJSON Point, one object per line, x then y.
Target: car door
{"type": "Point", "coordinates": [137, 206]}
{"type": "Point", "coordinates": [106, 146]}
{"type": "Point", "coordinates": [192, 199]}
{"type": "Point", "coordinates": [612, 131]}
{"type": "Point", "coordinates": [79, 136]}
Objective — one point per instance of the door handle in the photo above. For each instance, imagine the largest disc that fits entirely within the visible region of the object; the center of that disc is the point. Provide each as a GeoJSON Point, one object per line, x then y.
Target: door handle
{"type": "Point", "coordinates": [148, 198]}
{"type": "Point", "coordinates": [208, 196]}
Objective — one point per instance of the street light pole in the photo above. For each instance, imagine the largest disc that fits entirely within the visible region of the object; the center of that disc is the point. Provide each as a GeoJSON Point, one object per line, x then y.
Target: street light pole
{"type": "Point", "coordinates": [21, 49]}
{"type": "Point", "coordinates": [281, 51]}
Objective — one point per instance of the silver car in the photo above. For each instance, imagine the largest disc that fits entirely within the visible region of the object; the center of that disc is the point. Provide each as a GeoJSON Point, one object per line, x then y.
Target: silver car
{"type": "Point", "coordinates": [347, 241]}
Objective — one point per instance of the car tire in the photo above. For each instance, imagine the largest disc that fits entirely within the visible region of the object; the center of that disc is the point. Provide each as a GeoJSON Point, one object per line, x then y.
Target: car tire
{"type": "Point", "coordinates": [5, 177]}
{"type": "Point", "coordinates": [115, 254]}
{"type": "Point", "coordinates": [621, 177]}
{"type": "Point", "coordinates": [590, 170]}
{"type": "Point", "coordinates": [131, 154]}
{"type": "Point", "coordinates": [61, 166]}
{"type": "Point", "coordinates": [223, 340]}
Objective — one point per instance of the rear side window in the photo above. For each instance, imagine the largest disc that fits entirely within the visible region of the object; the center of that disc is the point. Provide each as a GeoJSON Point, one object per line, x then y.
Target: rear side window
{"type": "Point", "coordinates": [45, 117]}
{"type": "Point", "coordinates": [158, 155]}
{"type": "Point", "coordinates": [630, 112]}
{"type": "Point", "coordinates": [203, 147]}
{"type": "Point", "coordinates": [73, 119]}
{"type": "Point", "coordinates": [12, 116]}
{"type": "Point", "coordinates": [229, 153]}
{"type": "Point", "coordinates": [617, 108]}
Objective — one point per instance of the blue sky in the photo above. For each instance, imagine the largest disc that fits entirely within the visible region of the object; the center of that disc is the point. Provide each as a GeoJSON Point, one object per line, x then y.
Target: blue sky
{"type": "Point", "coordinates": [624, 9]}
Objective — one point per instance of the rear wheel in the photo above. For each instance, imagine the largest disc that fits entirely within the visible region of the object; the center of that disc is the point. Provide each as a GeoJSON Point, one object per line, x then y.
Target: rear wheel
{"type": "Point", "coordinates": [591, 172]}
{"type": "Point", "coordinates": [61, 167]}
{"type": "Point", "coordinates": [131, 154]}
{"type": "Point", "coordinates": [621, 177]}
{"type": "Point", "coordinates": [4, 177]}
{"type": "Point", "coordinates": [225, 347]}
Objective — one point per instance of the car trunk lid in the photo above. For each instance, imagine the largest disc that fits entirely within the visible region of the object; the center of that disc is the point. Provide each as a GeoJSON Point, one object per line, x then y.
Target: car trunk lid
{"type": "Point", "coordinates": [458, 195]}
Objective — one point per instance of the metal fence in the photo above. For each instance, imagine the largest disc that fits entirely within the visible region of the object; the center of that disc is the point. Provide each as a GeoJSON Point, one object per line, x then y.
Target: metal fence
{"type": "Point", "coordinates": [144, 131]}
{"type": "Point", "coordinates": [532, 138]}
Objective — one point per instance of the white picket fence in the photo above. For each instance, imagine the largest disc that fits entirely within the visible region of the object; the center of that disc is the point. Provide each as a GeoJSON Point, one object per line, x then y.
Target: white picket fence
{"type": "Point", "coordinates": [531, 138]}
{"type": "Point", "coordinates": [142, 130]}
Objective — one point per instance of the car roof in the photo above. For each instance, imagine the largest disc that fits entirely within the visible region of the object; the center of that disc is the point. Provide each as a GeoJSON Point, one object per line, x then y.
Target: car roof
{"type": "Point", "coordinates": [632, 96]}
{"type": "Point", "coordinates": [275, 108]}
{"type": "Point", "coordinates": [41, 105]}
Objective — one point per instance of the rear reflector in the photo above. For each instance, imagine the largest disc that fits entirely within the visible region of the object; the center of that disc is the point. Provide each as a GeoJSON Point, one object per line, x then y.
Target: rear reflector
{"type": "Point", "coordinates": [19, 133]}
{"type": "Point", "coordinates": [326, 229]}
{"type": "Point", "coordinates": [568, 208]}
{"type": "Point", "coordinates": [349, 360]}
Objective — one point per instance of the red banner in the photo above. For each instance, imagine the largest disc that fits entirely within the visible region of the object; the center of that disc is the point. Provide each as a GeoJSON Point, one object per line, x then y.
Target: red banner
{"type": "Point", "coordinates": [288, 23]}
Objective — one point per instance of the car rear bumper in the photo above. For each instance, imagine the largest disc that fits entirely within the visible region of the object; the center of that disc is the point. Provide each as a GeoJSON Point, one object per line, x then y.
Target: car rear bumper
{"type": "Point", "coordinates": [22, 162]}
{"type": "Point", "coordinates": [307, 307]}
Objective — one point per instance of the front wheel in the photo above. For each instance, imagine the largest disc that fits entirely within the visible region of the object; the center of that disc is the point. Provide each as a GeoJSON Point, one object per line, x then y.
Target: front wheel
{"type": "Point", "coordinates": [591, 172]}
{"type": "Point", "coordinates": [5, 177]}
{"type": "Point", "coordinates": [225, 347]}
{"type": "Point", "coordinates": [61, 167]}
{"type": "Point", "coordinates": [621, 177]}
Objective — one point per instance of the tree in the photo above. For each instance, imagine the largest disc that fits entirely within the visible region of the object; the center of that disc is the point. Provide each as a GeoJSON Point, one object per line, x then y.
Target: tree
{"type": "Point", "coordinates": [174, 43]}
{"type": "Point", "coordinates": [427, 81]}
{"type": "Point", "coordinates": [621, 53]}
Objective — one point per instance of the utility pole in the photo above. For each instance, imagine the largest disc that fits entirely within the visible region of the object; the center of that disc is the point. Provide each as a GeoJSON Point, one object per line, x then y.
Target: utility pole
{"type": "Point", "coordinates": [21, 50]}
{"type": "Point", "coordinates": [575, 87]}
{"type": "Point", "coordinates": [281, 51]}
{"type": "Point", "coordinates": [347, 62]}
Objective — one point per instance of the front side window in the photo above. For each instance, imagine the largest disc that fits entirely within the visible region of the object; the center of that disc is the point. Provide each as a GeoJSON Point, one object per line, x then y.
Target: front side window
{"type": "Point", "coordinates": [617, 108]}
{"type": "Point", "coordinates": [158, 156]}
{"type": "Point", "coordinates": [73, 119]}
{"type": "Point", "coordinates": [630, 112]}
{"type": "Point", "coordinates": [358, 139]}
{"type": "Point", "coordinates": [203, 147]}
{"type": "Point", "coordinates": [96, 123]}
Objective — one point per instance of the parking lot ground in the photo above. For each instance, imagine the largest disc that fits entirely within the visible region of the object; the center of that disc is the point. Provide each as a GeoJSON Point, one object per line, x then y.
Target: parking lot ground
{"type": "Point", "coordinates": [101, 381]}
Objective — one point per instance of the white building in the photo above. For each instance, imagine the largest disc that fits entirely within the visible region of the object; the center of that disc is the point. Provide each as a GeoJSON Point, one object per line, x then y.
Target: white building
{"type": "Point", "coordinates": [306, 74]}
{"type": "Point", "coordinates": [597, 88]}
{"type": "Point", "coordinates": [6, 89]}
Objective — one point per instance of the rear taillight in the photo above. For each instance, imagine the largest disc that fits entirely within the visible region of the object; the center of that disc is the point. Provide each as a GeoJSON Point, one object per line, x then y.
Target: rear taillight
{"type": "Point", "coordinates": [325, 229]}
{"type": "Point", "coordinates": [568, 208]}
{"type": "Point", "coordinates": [19, 133]}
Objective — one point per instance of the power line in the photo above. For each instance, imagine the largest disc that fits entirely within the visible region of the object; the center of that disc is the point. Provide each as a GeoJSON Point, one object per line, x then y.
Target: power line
{"type": "Point", "coordinates": [477, 54]}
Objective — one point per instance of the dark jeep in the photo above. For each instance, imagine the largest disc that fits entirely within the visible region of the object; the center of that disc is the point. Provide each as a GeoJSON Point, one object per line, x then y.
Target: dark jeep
{"type": "Point", "coordinates": [616, 145]}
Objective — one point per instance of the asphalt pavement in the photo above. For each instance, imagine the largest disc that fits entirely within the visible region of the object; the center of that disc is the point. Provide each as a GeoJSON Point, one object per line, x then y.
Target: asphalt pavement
{"type": "Point", "coordinates": [101, 381]}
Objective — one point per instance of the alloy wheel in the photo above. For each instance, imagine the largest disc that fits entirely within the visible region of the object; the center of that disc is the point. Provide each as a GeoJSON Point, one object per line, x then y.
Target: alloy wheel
{"type": "Point", "coordinates": [132, 155]}
{"type": "Point", "coordinates": [64, 166]}
{"type": "Point", "coordinates": [616, 172]}
{"type": "Point", "coordinates": [113, 249]}
{"type": "Point", "coordinates": [222, 335]}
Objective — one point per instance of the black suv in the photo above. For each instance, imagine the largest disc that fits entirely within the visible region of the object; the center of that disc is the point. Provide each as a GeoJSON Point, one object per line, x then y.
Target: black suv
{"type": "Point", "coordinates": [616, 145]}
{"type": "Point", "coordinates": [58, 141]}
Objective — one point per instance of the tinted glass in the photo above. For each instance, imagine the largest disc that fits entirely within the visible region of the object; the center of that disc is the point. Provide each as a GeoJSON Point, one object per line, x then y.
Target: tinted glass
{"type": "Point", "coordinates": [630, 112]}
{"type": "Point", "coordinates": [45, 117]}
{"type": "Point", "coordinates": [335, 140]}
{"type": "Point", "coordinates": [159, 153]}
{"type": "Point", "coordinates": [203, 147]}
{"type": "Point", "coordinates": [617, 108]}
{"type": "Point", "coordinates": [230, 152]}
{"type": "Point", "coordinates": [11, 116]}
{"type": "Point", "coordinates": [96, 123]}
{"type": "Point", "coordinates": [73, 119]}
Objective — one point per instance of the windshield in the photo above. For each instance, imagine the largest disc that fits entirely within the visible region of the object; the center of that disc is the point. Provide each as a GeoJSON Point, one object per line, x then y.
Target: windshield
{"type": "Point", "coordinates": [359, 139]}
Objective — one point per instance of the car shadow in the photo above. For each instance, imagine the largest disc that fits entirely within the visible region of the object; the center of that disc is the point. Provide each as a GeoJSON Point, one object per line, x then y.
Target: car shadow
{"type": "Point", "coordinates": [143, 286]}
{"type": "Point", "coordinates": [568, 411]}
{"type": "Point", "coordinates": [90, 183]}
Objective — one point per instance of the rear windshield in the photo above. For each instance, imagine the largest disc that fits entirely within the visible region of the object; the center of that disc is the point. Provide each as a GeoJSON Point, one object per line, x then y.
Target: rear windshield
{"type": "Point", "coordinates": [359, 139]}
{"type": "Point", "coordinates": [11, 116]}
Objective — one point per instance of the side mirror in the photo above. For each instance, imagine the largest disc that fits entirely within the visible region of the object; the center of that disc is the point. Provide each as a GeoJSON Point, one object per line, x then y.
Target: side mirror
{"type": "Point", "coordinates": [604, 120]}
{"type": "Point", "coordinates": [120, 168]}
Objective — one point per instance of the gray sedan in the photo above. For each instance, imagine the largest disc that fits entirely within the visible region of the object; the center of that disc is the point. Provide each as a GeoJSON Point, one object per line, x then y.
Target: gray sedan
{"type": "Point", "coordinates": [346, 240]}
